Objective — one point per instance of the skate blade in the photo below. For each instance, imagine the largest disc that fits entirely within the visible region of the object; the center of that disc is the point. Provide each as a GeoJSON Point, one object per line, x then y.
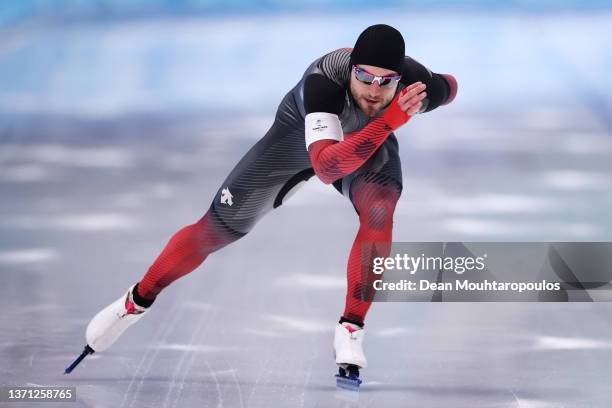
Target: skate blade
{"type": "Point", "coordinates": [347, 390]}
{"type": "Point", "coordinates": [347, 383]}
{"type": "Point", "coordinates": [86, 351]}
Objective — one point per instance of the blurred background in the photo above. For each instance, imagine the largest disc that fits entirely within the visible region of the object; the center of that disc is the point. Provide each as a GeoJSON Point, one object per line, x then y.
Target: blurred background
{"type": "Point", "coordinates": [522, 154]}
{"type": "Point", "coordinates": [120, 119]}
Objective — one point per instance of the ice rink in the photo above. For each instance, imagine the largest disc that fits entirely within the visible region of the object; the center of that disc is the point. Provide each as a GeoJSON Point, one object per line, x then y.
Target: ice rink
{"type": "Point", "coordinates": [114, 135]}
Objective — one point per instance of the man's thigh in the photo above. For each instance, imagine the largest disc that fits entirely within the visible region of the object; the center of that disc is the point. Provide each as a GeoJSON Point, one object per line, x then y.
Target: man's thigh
{"type": "Point", "coordinates": [263, 178]}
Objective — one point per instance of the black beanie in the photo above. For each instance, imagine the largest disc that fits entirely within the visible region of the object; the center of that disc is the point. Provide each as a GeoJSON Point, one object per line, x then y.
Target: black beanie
{"type": "Point", "coordinates": [381, 46]}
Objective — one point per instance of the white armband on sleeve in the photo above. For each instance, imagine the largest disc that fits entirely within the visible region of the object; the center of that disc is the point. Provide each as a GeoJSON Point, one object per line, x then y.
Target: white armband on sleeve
{"type": "Point", "coordinates": [322, 125]}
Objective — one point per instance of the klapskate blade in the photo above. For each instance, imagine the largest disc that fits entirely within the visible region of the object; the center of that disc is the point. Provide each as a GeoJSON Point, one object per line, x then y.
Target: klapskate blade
{"type": "Point", "coordinates": [87, 350]}
{"type": "Point", "coordinates": [347, 383]}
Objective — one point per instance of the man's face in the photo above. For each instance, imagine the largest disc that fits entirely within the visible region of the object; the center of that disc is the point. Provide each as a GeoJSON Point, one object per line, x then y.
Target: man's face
{"type": "Point", "coordinates": [372, 98]}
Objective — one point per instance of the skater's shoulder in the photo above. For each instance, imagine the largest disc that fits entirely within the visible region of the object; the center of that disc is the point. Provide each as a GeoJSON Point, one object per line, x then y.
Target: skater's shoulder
{"type": "Point", "coordinates": [413, 69]}
{"type": "Point", "coordinates": [323, 94]}
{"type": "Point", "coordinates": [335, 65]}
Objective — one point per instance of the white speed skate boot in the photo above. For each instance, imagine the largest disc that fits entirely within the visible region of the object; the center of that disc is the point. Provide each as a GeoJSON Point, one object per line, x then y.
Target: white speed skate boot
{"type": "Point", "coordinates": [348, 350]}
{"type": "Point", "coordinates": [106, 326]}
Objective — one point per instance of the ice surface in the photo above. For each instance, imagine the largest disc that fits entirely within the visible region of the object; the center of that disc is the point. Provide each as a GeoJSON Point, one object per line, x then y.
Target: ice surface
{"type": "Point", "coordinates": [107, 147]}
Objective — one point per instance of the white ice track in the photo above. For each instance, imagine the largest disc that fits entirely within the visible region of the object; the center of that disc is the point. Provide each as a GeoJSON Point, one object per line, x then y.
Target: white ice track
{"type": "Point", "coordinates": [92, 189]}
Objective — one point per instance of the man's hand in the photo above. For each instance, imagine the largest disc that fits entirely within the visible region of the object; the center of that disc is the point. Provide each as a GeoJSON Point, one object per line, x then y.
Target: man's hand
{"type": "Point", "coordinates": [411, 98]}
{"type": "Point", "coordinates": [405, 105]}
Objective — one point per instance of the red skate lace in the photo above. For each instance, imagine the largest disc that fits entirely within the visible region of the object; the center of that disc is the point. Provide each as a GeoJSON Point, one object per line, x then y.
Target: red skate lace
{"type": "Point", "coordinates": [130, 307]}
{"type": "Point", "coordinates": [350, 329]}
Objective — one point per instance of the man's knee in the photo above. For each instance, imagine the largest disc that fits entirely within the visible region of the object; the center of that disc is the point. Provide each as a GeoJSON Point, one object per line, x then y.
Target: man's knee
{"type": "Point", "coordinates": [213, 233]}
{"type": "Point", "coordinates": [376, 203]}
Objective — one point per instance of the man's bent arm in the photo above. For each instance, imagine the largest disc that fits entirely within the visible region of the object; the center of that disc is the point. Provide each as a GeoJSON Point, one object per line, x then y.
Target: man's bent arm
{"type": "Point", "coordinates": [332, 154]}
{"type": "Point", "coordinates": [333, 160]}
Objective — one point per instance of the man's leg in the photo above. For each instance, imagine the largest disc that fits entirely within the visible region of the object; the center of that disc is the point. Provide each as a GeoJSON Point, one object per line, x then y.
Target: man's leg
{"type": "Point", "coordinates": [374, 191]}
{"type": "Point", "coordinates": [259, 183]}
{"type": "Point", "coordinates": [186, 250]}
{"type": "Point", "coordinates": [375, 203]}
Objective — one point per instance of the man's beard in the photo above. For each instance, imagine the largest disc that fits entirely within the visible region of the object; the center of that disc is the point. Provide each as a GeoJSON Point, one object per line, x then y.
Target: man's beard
{"type": "Point", "coordinates": [372, 107]}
